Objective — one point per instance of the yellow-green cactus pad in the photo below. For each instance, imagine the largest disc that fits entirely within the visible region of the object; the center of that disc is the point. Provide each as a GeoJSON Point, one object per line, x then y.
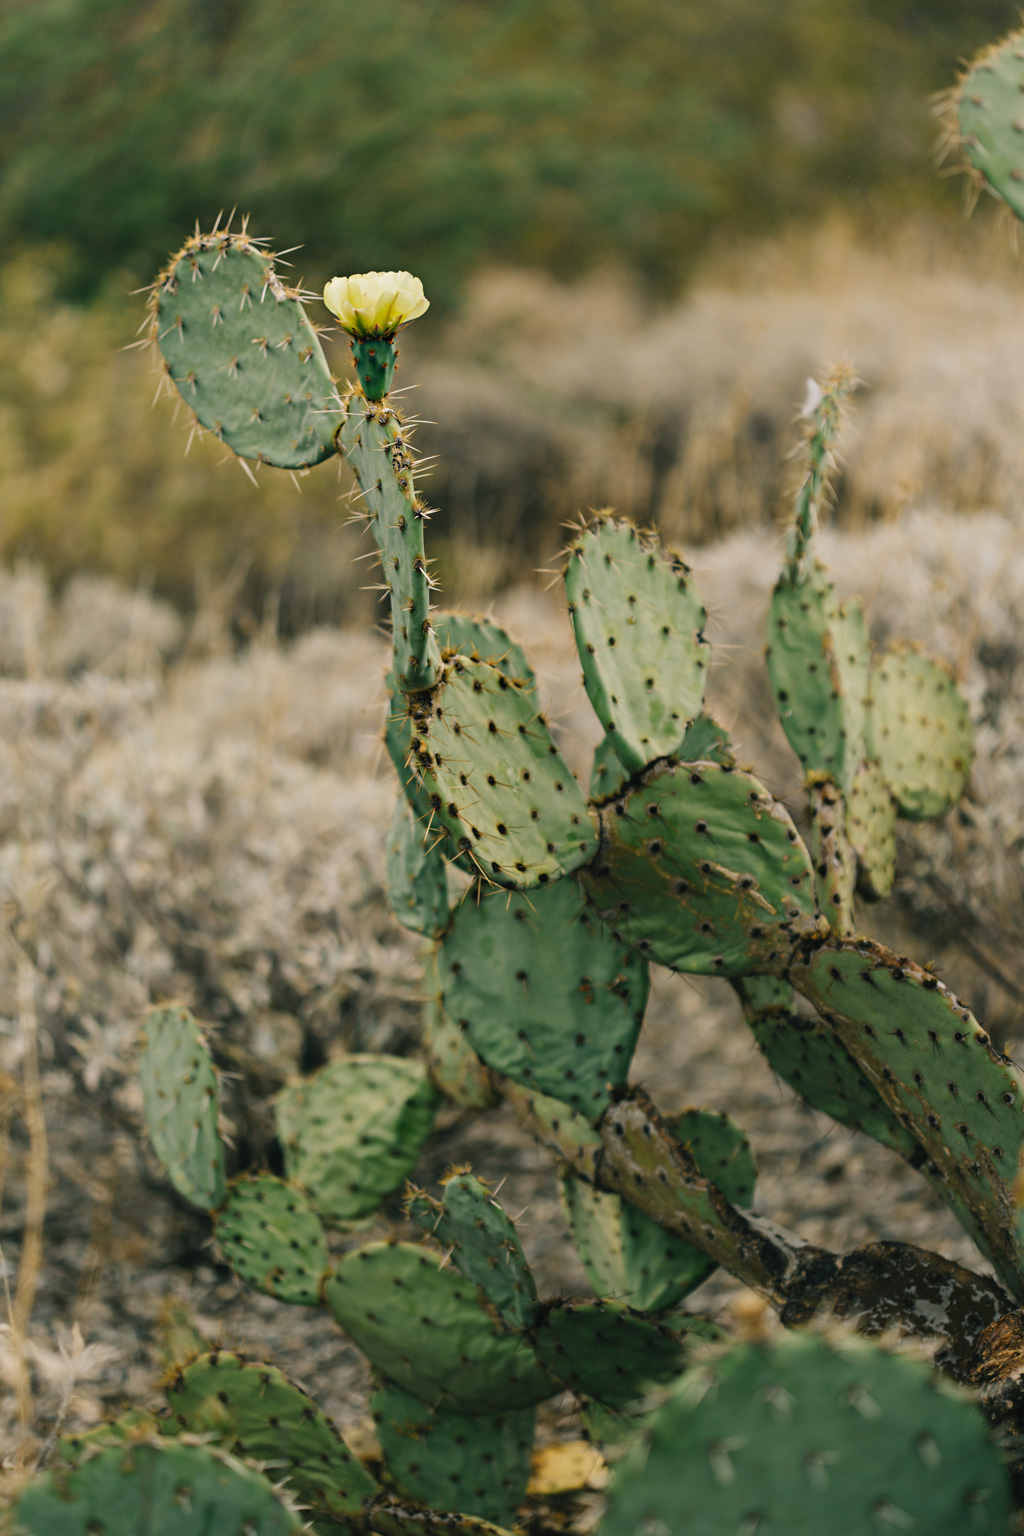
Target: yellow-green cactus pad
{"type": "Point", "coordinates": [271, 1236]}
{"type": "Point", "coordinates": [871, 830]}
{"type": "Point", "coordinates": [919, 732]}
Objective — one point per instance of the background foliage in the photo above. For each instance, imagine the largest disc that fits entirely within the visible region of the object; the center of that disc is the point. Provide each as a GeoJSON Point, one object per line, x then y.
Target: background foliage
{"type": "Point", "coordinates": [557, 133]}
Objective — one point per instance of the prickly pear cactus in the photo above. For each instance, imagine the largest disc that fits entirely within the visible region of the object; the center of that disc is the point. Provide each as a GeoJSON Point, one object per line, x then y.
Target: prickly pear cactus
{"type": "Point", "coordinates": [242, 353]}
{"type": "Point", "coordinates": [179, 1098]}
{"type": "Point", "coordinates": [700, 869]}
{"type": "Point", "coordinates": [417, 873]}
{"type": "Point", "coordinates": [478, 1464]}
{"type": "Point", "coordinates": [352, 1132]}
{"type": "Point", "coordinates": [271, 1236]}
{"type": "Point", "coordinates": [495, 779]}
{"type": "Point", "coordinates": [629, 1257]}
{"type": "Point", "coordinates": [986, 118]}
{"type": "Point", "coordinates": [484, 1245]}
{"type": "Point", "coordinates": [810, 1434]}
{"type": "Point", "coordinates": [253, 1409]}
{"type": "Point", "coordinates": [543, 993]}
{"type": "Point", "coordinates": [431, 1332]}
{"type": "Point", "coordinates": [639, 628]}
{"type": "Point", "coordinates": [600, 1349]}
{"type": "Point", "coordinates": [919, 732]}
{"type": "Point", "coordinates": [455, 1068]}
{"type": "Point", "coordinates": [165, 1489]}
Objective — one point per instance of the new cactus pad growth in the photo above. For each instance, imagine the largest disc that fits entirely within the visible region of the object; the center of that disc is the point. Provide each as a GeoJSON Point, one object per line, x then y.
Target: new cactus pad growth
{"type": "Point", "coordinates": [484, 1245]}
{"type": "Point", "coordinates": [179, 1097]}
{"type": "Point", "coordinates": [352, 1133]}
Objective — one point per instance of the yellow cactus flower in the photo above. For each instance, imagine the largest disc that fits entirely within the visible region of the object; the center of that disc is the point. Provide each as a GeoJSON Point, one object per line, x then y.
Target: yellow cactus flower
{"type": "Point", "coordinates": [375, 303]}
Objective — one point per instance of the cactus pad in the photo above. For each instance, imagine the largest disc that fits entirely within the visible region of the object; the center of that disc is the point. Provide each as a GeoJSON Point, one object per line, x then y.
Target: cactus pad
{"type": "Point", "coordinates": [484, 1245]}
{"type": "Point", "coordinates": [938, 1072]}
{"type": "Point", "coordinates": [273, 1238]}
{"type": "Point", "coordinates": [989, 113]}
{"type": "Point", "coordinates": [417, 873]}
{"type": "Point", "coordinates": [627, 1255]}
{"type": "Point", "coordinates": [871, 830]}
{"type": "Point", "coordinates": [705, 740]}
{"type": "Point", "coordinates": [817, 660]}
{"type": "Point", "coordinates": [138, 1491]}
{"type": "Point", "coordinates": [543, 993]}
{"type": "Point", "coordinates": [256, 1412]}
{"type": "Point", "coordinates": [455, 1068]}
{"type": "Point", "coordinates": [430, 1332]}
{"type": "Point", "coordinates": [806, 1435]}
{"type": "Point", "coordinates": [560, 1127]}
{"type": "Point", "coordinates": [378, 451]}
{"type": "Point", "coordinates": [477, 1464]}
{"type": "Point", "coordinates": [919, 730]}
{"type": "Point", "coordinates": [639, 628]}
{"type": "Point", "coordinates": [353, 1131]}
{"type": "Point", "coordinates": [601, 1349]}
{"type": "Point", "coordinates": [808, 1056]}
{"type": "Point", "coordinates": [496, 779]}
{"type": "Point", "coordinates": [480, 639]}
{"type": "Point", "coordinates": [179, 1099]}
{"type": "Point", "coordinates": [702, 870]}
{"type": "Point", "coordinates": [835, 864]}
{"type": "Point", "coordinates": [238, 346]}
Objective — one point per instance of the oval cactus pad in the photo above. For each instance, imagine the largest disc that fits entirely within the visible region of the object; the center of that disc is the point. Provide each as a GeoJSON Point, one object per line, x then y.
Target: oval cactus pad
{"type": "Point", "coordinates": [543, 993]}
{"type": "Point", "coordinates": [703, 871]}
{"type": "Point", "coordinates": [353, 1131]}
{"type": "Point", "coordinates": [639, 627]}
{"type": "Point", "coordinates": [273, 1238]}
{"type": "Point", "coordinates": [179, 1098]}
{"type": "Point", "coordinates": [495, 778]}
{"type": "Point", "coordinates": [242, 353]}
{"type": "Point", "coordinates": [989, 113]}
{"type": "Point", "coordinates": [919, 730]}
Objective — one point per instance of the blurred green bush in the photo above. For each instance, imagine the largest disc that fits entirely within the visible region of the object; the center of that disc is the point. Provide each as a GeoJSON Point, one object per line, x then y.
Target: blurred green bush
{"type": "Point", "coordinates": [445, 133]}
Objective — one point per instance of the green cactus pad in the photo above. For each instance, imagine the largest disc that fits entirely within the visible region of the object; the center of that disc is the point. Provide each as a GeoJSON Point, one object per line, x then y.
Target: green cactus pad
{"type": "Point", "coordinates": [808, 1056]}
{"type": "Point", "coordinates": [417, 873]}
{"type": "Point", "coordinates": [179, 1100]}
{"type": "Point", "coordinates": [253, 1410]}
{"type": "Point", "coordinates": [398, 741]}
{"type": "Point", "coordinates": [480, 639]}
{"type": "Point", "coordinates": [455, 1068]}
{"type": "Point", "coordinates": [938, 1072]}
{"type": "Point", "coordinates": [273, 1238]}
{"type": "Point", "coordinates": [817, 658]}
{"type": "Point", "coordinates": [484, 1245]}
{"type": "Point", "coordinates": [639, 628]}
{"type": "Point", "coordinates": [239, 348]}
{"type": "Point", "coordinates": [375, 445]}
{"type": "Point", "coordinates": [558, 1126]}
{"type": "Point", "coordinates": [608, 778]}
{"type": "Point", "coordinates": [544, 995]}
{"type": "Point", "coordinates": [138, 1491]}
{"type": "Point", "coordinates": [430, 1331]}
{"type": "Point", "coordinates": [478, 1464]}
{"type": "Point", "coordinates": [871, 829]}
{"type": "Point", "coordinates": [919, 730]}
{"type": "Point", "coordinates": [353, 1131]}
{"type": "Point", "coordinates": [496, 779]}
{"type": "Point", "coordinates": [988, 107]}
{"type": "Point", "coordinates": [601, 1349]}
{"type": "Point", "coordinates": [702, 870]}
{"type": "Point", "coordinates": [626, 1255]}
{"type": "Point", "coordinates": [807, 1435]}
{"type": "Point", "coordinates": [134, 1425]}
